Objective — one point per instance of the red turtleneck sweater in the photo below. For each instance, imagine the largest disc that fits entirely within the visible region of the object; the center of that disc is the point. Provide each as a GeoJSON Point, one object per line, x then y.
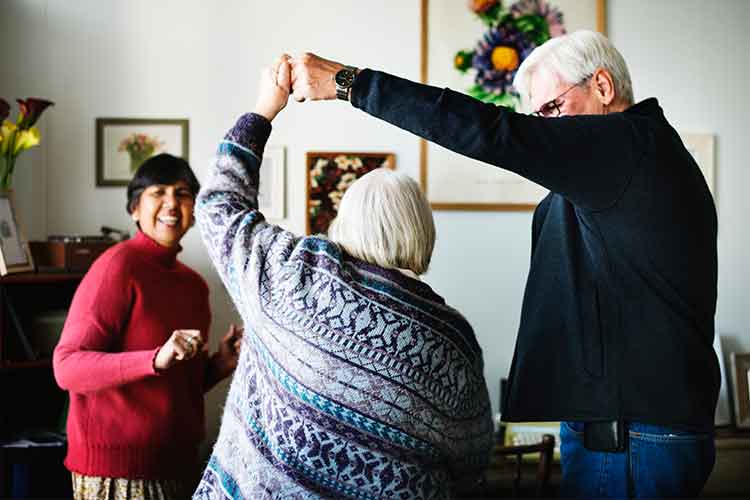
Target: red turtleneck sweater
{"type": "Point", "coordinates": [126, 420]}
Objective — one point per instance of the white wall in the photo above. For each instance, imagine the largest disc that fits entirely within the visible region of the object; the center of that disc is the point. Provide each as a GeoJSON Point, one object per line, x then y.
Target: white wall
{"type": "Point", "coordinates": [200, 60]}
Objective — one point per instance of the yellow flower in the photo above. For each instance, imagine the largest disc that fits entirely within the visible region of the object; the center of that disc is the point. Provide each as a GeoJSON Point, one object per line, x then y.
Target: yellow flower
{"type": "Point", "coordinates": [505, 58]}
{"type": "Point", "coordinates": [6, 131]}
{"type": "Point", "coordinates": [26, 139]}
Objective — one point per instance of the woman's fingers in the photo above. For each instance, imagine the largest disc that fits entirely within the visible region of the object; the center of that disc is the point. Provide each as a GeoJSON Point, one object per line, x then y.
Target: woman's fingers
{"type": "Point", "coordinates": [188, 343]}
{"type": "Point", "coordinates": [283, 74]}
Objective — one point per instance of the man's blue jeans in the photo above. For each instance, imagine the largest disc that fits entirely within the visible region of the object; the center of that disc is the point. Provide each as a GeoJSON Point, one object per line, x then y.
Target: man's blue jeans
{"type": "Point", "coordinates": [658, 462]}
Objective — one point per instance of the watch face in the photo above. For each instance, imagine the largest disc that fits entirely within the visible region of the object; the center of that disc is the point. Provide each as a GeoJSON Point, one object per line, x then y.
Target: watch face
{"type": "Point", "coordinates": [345, 78]}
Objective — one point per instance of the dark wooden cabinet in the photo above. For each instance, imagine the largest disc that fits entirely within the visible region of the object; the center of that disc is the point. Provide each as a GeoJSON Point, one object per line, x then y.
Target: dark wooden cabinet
{"type": "Point", "coordinates": [33, 407]}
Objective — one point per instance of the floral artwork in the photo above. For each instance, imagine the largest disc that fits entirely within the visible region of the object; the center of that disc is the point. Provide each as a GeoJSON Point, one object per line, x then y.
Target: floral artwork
{"type": "Point", "coordinates": [123, 144]}
{"type": "Point", "coordinates": [496, 37]}
{"type": "Point", "coordinates": [329, 175]}
{"type": "Point", "coordinates": [140, 147]}
{"type": "Point", "coordinates": [511, 35]}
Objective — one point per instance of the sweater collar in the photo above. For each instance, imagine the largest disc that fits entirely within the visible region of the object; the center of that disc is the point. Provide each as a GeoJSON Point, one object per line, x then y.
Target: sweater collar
{"type": "Point", "coordinates": [162, 255]}
{"type": "Point", "coordinates": [648, 106]}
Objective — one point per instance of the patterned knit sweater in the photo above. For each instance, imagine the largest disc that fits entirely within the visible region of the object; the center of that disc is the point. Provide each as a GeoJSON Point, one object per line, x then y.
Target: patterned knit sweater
{"type": "Point", "coordinates": [354, 381]}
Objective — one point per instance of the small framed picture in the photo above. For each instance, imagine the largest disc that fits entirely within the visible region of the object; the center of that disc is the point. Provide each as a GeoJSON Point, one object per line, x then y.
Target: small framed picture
{"type": "Point", "coordinates": [15, 256]}
{"type": "Point", "coordinates": [741, 385]}
{"type": "Point", "coordinates": [328, 177]}
{"type": "Point", "coordinates": [271, 190]}
{"type": "Point", "coordinates": [701, 146]}
{"type": "Point", "coordinates": [123, 144]}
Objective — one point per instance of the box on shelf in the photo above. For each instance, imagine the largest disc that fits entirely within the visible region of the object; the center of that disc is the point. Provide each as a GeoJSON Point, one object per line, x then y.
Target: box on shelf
{"type": "Point", "coordinates": [70, 254]}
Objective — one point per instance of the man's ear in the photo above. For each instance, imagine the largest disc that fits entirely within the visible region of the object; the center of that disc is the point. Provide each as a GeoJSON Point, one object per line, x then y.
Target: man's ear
{"type": "Point", "coordinates": [603, 86]}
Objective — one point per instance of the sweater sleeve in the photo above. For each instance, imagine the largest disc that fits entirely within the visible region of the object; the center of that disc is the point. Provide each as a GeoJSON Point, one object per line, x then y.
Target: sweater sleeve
{"type": "Point", "coordinates": [86, 357]}
{"type": "Point", "coordinates": [239, 240]}
{"type": "Point", "coordinates": [588, 159]}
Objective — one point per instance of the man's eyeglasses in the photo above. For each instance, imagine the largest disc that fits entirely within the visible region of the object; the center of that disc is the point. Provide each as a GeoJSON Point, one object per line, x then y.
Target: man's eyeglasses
{"type": "Point", "coordinates": [551, 109]}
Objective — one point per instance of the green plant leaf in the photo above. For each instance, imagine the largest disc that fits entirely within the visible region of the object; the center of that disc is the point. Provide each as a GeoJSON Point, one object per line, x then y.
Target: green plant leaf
{"type": "Point", "coordinates": [534, 26]}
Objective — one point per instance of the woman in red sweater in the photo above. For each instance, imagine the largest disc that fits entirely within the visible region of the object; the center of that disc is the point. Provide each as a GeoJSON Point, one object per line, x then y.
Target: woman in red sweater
{"type": "Point", "coordinates": [132, 353]}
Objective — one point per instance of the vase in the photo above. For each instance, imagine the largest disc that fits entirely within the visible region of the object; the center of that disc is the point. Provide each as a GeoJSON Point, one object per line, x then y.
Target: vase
{"type": "Point", "coordinates": [138, 157]}
{"type": "Point", "coordinates": [7, 165]}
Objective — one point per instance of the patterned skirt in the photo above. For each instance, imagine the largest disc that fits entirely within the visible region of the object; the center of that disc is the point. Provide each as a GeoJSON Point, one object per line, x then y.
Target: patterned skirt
{"type": "Point", "coordinates": [111, 488]}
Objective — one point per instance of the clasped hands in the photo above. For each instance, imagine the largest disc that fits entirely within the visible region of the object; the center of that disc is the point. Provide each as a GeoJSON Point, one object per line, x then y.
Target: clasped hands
{"type": "Point", "coordinates": [184, 345]}
{"type": "Point", "coordinates": [307, 77]}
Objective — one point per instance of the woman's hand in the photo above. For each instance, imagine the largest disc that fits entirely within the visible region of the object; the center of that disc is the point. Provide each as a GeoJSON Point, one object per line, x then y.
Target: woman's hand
{"type": "Point", "coordinates": [225, 359]}
{"type": "Point", "coordinates": [274, 88]}
{"type": "Point", "coordinates": [181, 346]}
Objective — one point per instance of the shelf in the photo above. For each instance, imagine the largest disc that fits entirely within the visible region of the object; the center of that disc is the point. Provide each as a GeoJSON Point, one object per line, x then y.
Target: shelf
{"type": "Point", "coordinates": [25, 365]}
{"type": "Point", "coordinates": [36, 278]}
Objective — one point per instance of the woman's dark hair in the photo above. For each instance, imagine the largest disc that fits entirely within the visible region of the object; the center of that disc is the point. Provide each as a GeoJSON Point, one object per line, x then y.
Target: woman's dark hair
{"type": "Point", "coordinates": [160, 169]}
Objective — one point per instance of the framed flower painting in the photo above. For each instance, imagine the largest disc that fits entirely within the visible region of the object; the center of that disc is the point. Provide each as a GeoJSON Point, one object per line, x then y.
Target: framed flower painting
{"type": "Point", "coordinates": [475, 47]}
{"type": "Point", "coordinates": [123, 144]}
{"type": "Point", "coordinates": [328, 177]}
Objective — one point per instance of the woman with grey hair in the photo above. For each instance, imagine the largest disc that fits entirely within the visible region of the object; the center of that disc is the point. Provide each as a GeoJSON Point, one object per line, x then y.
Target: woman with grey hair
{"type": "Point", "coordinates": [355, 379]}
{"type": "Point", "coordinates": [617, 323]}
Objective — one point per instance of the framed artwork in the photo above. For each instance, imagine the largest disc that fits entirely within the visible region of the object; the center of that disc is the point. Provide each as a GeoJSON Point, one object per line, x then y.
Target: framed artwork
{"type": "Point", "coordinates": [328, 177]}
{"type": "Point", "coordinates": [741, 384]}
{"type": "Point", "coordinates": [15, 255]}
{"type": "Point", "coordinates": [271, 199]}
{"type": "Point", "coordinates": [723, 413]}
{"type": "Point", "coordinates": [452, 181]}
{"type": "Point", "coordinates": [701, 146]}
{"type": "Point", "coordinates": [122, 144]}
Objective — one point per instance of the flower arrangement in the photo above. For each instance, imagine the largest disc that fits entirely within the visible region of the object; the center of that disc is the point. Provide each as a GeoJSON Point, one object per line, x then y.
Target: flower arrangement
{"type": "Point", "coordinates": [140, 147]}
{"type": "Point", "coordinates": [15, 138]}
{"type": "Point", "coordinates": [512, 33]}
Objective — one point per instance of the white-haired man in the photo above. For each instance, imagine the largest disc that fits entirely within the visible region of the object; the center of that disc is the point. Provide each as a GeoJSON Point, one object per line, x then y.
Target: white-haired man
{"type": "Point", "coordinates": [617, 323]}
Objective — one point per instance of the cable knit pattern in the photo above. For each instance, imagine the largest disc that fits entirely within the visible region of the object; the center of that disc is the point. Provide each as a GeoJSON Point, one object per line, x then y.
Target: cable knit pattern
{"type": "Point", "coordinates": [354, 381]}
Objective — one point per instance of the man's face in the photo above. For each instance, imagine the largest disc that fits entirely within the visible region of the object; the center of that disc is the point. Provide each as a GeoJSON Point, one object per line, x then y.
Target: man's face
{"type": "Point", "coordinates": [550, 94]}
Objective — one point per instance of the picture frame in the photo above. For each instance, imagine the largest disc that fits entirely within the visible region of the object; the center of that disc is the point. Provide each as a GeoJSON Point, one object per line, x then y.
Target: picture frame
{"type": "Point", "coordinates": [452, 181]}
{"type": "Point", "coordinates": [271, 188]}
{"type": "Point", "coordinates": [723, 414]}
{"type": "Point", "coordinates": [329, 174]}
{"type": "Point", "coordinates": [702, 147]}
{"type": "Point", "coordinates": [123, 144]}
{"type": "Point", "coordinates": [740, 366]}
{"type": "Point", "coordinates": [15, 254]}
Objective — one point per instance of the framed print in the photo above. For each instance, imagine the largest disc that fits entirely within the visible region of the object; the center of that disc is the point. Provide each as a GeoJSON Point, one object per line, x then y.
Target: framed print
{"type": "Point", "coordinates": [15, 255]}
{"type": "Point", "coordinates": [701, 146]}
{"type": "Point", "coordinates": [122, 144]}
{"type": "Point", "coordinates": [722, 416]}
{"type": "Point", "coordinates": [328, 177]}
{"type": "Point", "coordinates": [741, 384]}
{"type": "Point", "coordinates": [451, 30]}
{"type": "Point", "coordinates": [271, 199]}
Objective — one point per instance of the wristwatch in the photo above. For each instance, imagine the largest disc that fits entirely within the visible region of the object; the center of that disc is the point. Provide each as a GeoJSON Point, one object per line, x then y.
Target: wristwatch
{"type": "Point", "coordinates": [344, 80]}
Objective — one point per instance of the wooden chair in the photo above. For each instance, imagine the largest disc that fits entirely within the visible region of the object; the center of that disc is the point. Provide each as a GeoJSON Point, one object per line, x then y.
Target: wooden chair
{"type": "Point", "coordinates": [503, 479]}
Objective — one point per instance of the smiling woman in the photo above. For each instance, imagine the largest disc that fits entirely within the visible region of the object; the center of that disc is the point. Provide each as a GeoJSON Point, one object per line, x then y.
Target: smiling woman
{"type": "Point", "coordinates": [132, 353]}
{"type": "Point", "coordinates": [161, 198]}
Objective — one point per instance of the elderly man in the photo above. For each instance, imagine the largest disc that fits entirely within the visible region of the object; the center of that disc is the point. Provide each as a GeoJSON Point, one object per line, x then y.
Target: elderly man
{"type": "Point", "coordinates": [617, 322]}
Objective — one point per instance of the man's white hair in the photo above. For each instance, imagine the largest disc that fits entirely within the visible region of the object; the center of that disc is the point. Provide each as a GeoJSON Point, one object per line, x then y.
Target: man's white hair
{"type": "Point", "coordinates": [574, 58]}
{"type": "Point", "coordinates": [385, 219]}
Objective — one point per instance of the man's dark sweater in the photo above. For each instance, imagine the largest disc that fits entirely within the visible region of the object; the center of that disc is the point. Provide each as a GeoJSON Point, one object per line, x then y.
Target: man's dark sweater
{"type": "Point", "coordinates": [618, 312]}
